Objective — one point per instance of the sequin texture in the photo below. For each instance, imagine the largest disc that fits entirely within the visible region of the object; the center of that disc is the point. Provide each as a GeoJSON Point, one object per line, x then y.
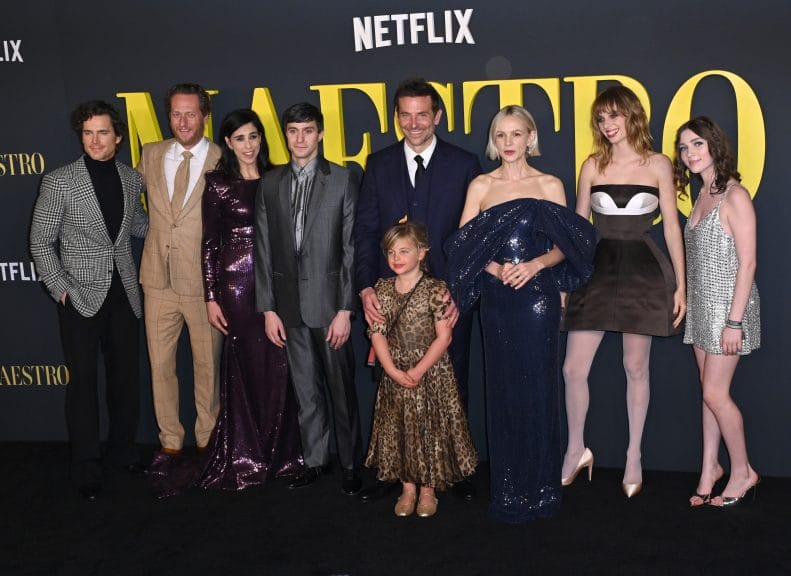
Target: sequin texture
{"type": "Point", "coordinates": [711, 277]}
{"type": "Point", "coordinates": [520, 334]}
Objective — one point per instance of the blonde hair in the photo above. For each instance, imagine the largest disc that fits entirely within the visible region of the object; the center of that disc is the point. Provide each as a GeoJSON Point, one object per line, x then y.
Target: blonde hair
{"type": "Point", "coordinates": [413, 231]}
{"type": "Point", "coordinates": [521, 114]}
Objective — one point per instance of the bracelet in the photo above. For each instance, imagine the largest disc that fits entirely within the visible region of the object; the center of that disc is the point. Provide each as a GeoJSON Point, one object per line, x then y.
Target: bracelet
{"type": "Point", "coordinates": [733, 324]}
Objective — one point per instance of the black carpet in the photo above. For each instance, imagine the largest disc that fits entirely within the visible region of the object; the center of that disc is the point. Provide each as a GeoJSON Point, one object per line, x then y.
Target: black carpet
{"type": "Point", "coordinates": [45, 528]}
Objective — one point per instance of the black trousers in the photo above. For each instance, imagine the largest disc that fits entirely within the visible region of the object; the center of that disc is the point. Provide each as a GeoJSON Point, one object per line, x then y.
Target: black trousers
{"type": "Point", "coordinates": [317, 370]}
{"type": "Point", "coordinates": [459, 352]}
{"type": "Point", "coordinates": [113, 330]}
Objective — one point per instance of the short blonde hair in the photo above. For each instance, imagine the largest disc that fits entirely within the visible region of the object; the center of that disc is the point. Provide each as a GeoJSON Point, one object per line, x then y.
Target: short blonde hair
{"type": "Point", "coordinates": [414, 231]}
{"type": "Point", "coordinates": [521, 114]}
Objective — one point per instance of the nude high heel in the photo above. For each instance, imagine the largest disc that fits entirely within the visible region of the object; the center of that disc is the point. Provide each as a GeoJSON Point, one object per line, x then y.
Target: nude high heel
{"type": "Point", "coordinates": [632, 489]}
{"type": "Point", "coordinates": [586, 461]}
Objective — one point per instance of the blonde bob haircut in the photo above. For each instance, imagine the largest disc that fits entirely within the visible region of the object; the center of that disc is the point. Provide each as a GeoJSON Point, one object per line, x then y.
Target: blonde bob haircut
{"type": "Point", "coordinates": [408, 230]}
{"type": "Point", "coordinates": [521, 114]}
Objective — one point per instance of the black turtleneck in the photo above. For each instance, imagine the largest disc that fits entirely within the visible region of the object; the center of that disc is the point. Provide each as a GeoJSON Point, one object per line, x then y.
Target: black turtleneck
{"type": "Point", "coordinates": [109, 192]}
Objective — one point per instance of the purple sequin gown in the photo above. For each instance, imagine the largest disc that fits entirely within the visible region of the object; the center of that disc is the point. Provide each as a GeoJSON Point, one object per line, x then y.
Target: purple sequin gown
{"type": "Point", "coordinates": [257, 435]}
{"type": "Point", "coordinates": [520, 337]}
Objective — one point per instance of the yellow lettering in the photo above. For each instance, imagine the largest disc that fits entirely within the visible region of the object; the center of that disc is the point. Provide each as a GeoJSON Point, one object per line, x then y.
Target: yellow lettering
{"type": "Point", "coordinates": [586, 88]}
{"type": "Point", "coordinates": [142, 121]}
{"type": "Point", "coordinates": [265, 108]}
{"type": "Point", "coordinates": [331, 103]}
{"type": "Point", "coordinates": [511, 93]}
{"type": "Point", "coordinates": [445, 92]}
{"type": "Point", "coordinates": [751, 151]}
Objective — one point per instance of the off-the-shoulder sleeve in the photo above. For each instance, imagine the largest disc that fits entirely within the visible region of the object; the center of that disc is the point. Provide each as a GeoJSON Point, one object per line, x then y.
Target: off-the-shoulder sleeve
{"type": "Point", "coordinates": [471, 248]}
{"type": "Point", "coordinates": [575, 237]}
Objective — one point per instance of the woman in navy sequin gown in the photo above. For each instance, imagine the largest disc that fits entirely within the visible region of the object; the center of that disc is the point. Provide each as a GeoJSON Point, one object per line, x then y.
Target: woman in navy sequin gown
{"type": "Point", "coordinates": [517, 248]}
{"type": "Point", "coordinates": [257, 436]}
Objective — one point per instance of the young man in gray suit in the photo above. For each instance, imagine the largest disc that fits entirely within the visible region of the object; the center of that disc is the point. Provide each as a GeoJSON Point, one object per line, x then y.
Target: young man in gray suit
{"type": "Point", "coordinates": [80, 241]}
{"type": "Point", "coordinates": [304, 286]}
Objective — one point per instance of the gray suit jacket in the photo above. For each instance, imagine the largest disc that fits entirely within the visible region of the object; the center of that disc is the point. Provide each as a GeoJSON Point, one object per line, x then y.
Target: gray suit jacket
{"type": "Point", "coordinates": [70, 243]}
{"type": "Point", "coordinates": [312, 285]}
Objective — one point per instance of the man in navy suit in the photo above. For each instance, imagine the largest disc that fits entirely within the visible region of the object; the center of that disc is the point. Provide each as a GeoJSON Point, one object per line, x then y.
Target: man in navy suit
{"type": "Point", "coordinates": [421, 178]}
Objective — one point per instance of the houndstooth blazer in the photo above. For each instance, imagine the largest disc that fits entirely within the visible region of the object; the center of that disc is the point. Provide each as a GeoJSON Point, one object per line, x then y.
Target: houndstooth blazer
{"type": "Point", "coordinates": [70, 244]}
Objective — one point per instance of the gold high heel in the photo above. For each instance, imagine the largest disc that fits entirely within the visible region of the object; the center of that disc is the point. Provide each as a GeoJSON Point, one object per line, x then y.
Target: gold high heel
{"type": "Point", "coordinates": [632, 489]}
{"type": "Point", "coordinates": [586, 461]}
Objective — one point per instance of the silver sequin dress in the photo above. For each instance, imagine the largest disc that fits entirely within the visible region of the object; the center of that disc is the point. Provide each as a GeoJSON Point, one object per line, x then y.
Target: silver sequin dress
{"type": "Point", "coordinates": [711, 276]}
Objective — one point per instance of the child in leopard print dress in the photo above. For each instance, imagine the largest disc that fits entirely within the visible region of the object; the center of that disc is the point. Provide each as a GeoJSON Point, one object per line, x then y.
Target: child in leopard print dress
{"type": "Point", "coordinates": [420, 434]}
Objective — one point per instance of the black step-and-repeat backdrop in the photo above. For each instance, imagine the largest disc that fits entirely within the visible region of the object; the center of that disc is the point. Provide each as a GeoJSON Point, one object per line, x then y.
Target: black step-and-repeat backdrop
{"type": "Point", "coordinates": [725, 60]}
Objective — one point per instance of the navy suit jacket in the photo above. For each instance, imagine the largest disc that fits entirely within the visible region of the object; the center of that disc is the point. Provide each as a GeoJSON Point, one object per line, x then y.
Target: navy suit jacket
{"type": "Point", "coordinates": [383, 201]}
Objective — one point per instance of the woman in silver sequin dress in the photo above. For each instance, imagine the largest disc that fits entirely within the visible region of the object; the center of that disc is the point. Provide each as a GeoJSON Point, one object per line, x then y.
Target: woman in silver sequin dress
{"type": "Point", "coordinates": [723, 320]}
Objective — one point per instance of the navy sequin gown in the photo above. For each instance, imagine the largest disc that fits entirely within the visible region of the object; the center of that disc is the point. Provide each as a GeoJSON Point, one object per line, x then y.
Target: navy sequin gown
{"type": "Point", "coordinates": [257, 435]}
{"type": "Point", "coordinates": [520, 336]}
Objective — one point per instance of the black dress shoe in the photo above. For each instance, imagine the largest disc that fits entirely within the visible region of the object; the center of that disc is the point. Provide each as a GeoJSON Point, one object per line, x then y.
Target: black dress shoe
{"type": "Point", "coordinates": [90, 492]}
{"type": "Point", "coordinates": [464, 489]}
{"type": "Point", "coordinates": [377, 491]}
{"type": "Point", "coordinates": [351, 482]}
{"type": "Point", "coordinates": [305, 478]}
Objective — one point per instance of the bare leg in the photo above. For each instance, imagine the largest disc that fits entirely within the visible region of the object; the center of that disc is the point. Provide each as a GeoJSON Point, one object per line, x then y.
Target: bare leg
{"type": "Point", "coordinates": [717, 377]}
{"type": "Point", "coordinates": [710, 470]}
{"type": "Point", "coordinates": [581, 347]}
{"type": "Point", "coordinates": [636, 358]}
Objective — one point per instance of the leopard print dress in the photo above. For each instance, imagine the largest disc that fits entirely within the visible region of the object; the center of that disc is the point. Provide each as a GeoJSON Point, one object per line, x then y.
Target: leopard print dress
{"type": "Point", "coordinates": [419, 434]}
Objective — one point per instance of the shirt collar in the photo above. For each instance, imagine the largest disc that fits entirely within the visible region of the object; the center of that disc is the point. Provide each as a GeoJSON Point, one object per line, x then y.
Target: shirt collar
{"type": "Point", "coordinates": [309, 168]}
{"type": "Point", "coordinates": [199, 151]}
{"type": "Point", "coordinates": [425, 154]}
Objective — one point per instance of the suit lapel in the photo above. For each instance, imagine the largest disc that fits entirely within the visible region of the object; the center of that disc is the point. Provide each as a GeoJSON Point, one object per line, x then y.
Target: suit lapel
{"type": "Point", "coordinates": [318, 195]}
{"type": "Point", "coordinates": [129, 199]}
{"type": "Point", "coordinates": [85, 196]}
{"type": "Point", "coordinates": [400, 178]}
{"type": "Point", "coordinates": [284, 196]}
{"type": "Point", "coordinates": [197, 191]}
{"type": "Point", "coordinates": [436, 168]}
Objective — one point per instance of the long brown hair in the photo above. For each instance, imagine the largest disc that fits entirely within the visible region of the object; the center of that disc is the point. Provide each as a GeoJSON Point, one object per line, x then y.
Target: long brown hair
{"type": "Point", "coordinates": [622, 100]}
{"type": "Point", "coordinates": [721, 154]}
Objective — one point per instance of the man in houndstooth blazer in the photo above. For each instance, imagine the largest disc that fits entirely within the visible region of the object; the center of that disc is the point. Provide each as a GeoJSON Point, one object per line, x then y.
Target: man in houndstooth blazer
{"type": "Point", "coordinates": [80, 241]}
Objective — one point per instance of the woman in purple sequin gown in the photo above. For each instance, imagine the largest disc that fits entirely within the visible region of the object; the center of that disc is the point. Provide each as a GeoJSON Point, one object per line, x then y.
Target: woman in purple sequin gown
{"type": "Point", "coordinates": [257, 436]}
{"type": "Point", "coordinates": [517, 248]}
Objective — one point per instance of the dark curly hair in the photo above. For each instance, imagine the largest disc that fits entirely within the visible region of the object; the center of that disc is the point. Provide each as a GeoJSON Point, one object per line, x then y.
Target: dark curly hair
{"type": "Point", "coordinates": [88, 110]}
{"type": "Point", "coordinates": [721, 154]}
